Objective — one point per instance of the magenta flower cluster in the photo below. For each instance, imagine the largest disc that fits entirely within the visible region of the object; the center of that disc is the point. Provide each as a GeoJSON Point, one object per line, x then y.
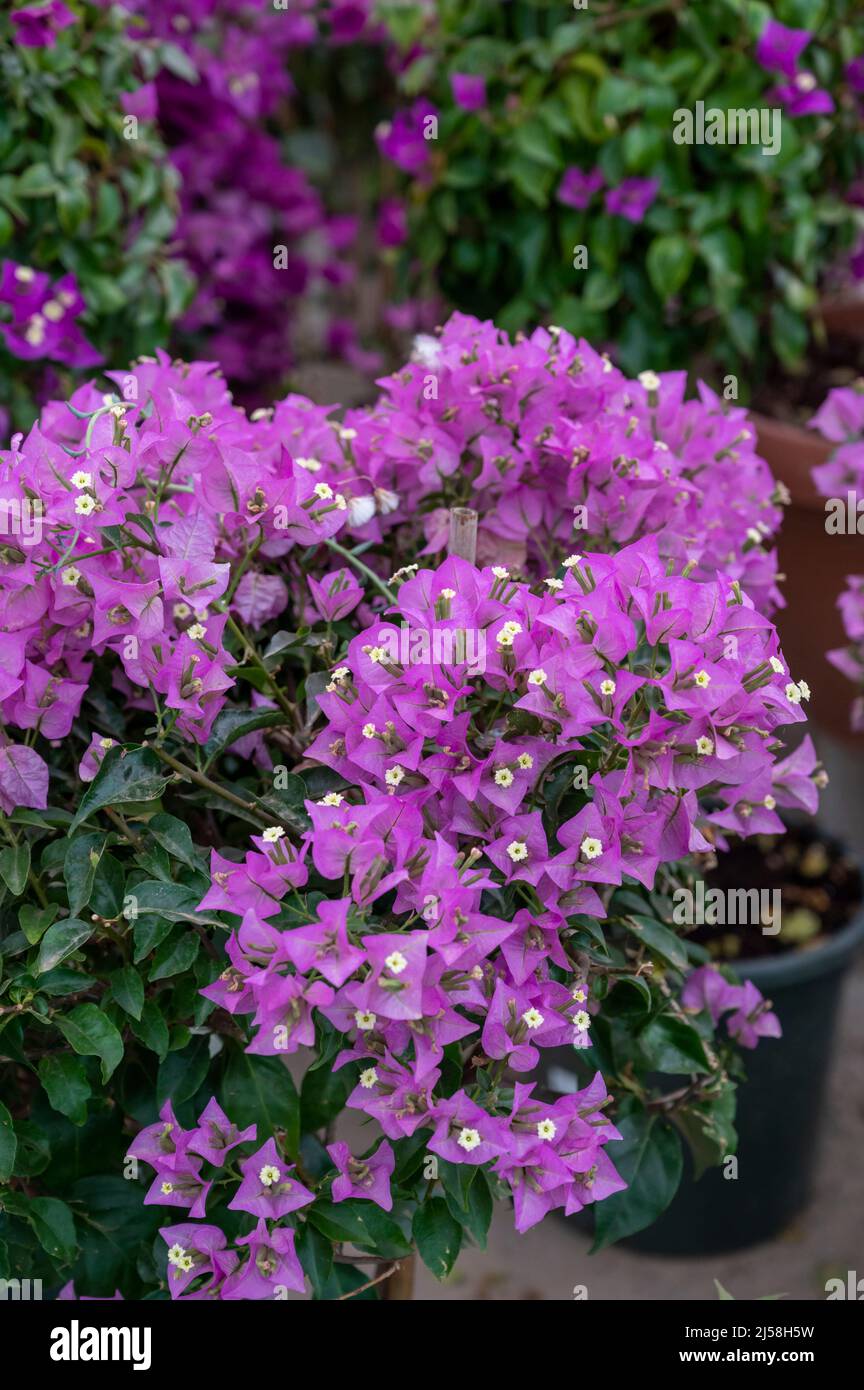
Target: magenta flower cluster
{"type": "Point", "coordinates": [840, 419]}
{"type": "Point", "coordinates": [40, 319]}
{"type": "Point", "coordinates": [675, 686]}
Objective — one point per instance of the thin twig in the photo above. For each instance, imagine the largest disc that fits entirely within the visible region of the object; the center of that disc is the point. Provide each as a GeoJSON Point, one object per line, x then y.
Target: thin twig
{"type": "Point", "coordinates": [388, 1273]}
{"type": "Point", "coordinates": [200, 780]}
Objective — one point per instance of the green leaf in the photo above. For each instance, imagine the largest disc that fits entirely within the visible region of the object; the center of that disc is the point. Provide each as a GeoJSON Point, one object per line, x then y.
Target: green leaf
{"type": "Point", "coordinates": [669, 262]}
{"type": "Point", "coordinates": [152, 1030]}
{"type": "Point", "coordinates": [8, 1144]}
{"type": "Point", "coordinates": [650, 1162]}
{"type": "Point", "coordinates": [437, 1236]}
{"type": "Point", "coordinates": [183, 1072]}
{"type": "Point", "coordinates": [60, 941]}
{"type": "Point", "coordinates": [147, 933]}
{"type": "Point", "coordinates": [35, 921]}
{"type": "Point", "coordinates": [536, 142]}
{"type": "Point", "coordinates": [671, 1045]}
{"type": "Point", "coordinates": [79, 867]}
{"type": "Point", "coordinates": [15, 866]}
{"type": "Point", "coordinates": [175, 837]}
{"type": "Point", "coordinates": [91, 1034]}
{"type": "Point", "coordinates": [127, 989]}
{"type": "Point", "coordinates": [659, 939]}
{"type": "Point", "coordinates": [260, 1090]}
{"type": "Point", "coordinates": [363, 1224]}
{"type": "Point", "coordinates": [322, 1096]}
{"type": "Point", "coordinates": [66, 1085]}
{"type": "Point", "coordinates": [177, 61]}
{"type": "Point", "coordinates": [54, 1225]}
{"type": "Point", "coordinates": [175, 955]}
{"type": "Point", "coordinates": [134, 775]}
{"type": "Point", "coordinates": [477, 1216]}
{"type": "Point", "coordinates": [37, 181]}
{"type": "Point", "coordinates": [315, 1254]}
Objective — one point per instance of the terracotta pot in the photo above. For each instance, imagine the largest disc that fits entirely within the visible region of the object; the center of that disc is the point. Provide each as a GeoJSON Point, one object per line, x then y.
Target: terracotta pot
{"type": "Point", "coordinates": [815, 565]}
{"type": "Point", "coordinates": [843, 314]}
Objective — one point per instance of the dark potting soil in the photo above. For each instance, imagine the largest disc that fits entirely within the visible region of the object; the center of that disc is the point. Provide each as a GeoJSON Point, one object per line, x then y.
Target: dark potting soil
{"type": "Point", "coordinates": [795, 399]}
{"type": "Point", "coordinates": [820, 891]}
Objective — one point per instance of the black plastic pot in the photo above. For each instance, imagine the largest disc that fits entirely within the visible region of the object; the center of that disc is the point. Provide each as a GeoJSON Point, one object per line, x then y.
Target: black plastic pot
{"type": "Point", "coordinates": [779, 1111]}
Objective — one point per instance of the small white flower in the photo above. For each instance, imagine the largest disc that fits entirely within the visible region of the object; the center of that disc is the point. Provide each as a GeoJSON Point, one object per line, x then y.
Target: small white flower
{"type": "Point", "coordinates": [582, 1021]}
{"type": "Point", "coordinates": [776, 665]}
{"type": "Point", "coordinates": [591, 848]}
{"type": "Point", "coordinates": [106, 743]}
{"type": "Point", "coordinates": [500, 571]}
{"type": "Point", "coordinates": [53, 310]}
{"type": "Point", "coordinates": [649, 380]}
{"type": "Point", "coordinates": [517, 850]}
{"type": "Point", "coordinates": [85, 505]}
{"type": "Point", "coordinates": [503, 777]}
{"type": "Point", "coordinates": [369, 731]}
{"type": "Point", "coordinates": [769, 803]}
{"type": "Point", "coordinates": [394, 775]}
{"type": "Point", "coordinates": [176, 1254]}
{"type": "Point", "coordinates": [532, 1018]}
{"type": "Point", "coordinates": [376, 655]}
{"type": "Point", "coordinates": [35, 330]}
{"type": "Point", "coordinates": [365, 1020]}
{"type": "Point", "coordinates": [754, 535]}
{"type": "Point", "coordinates": [793, 693]}
{"type": "Point", "coordinates": [702, 679]}
{"type": "Point", "coordinates": [339, 502]}
{"type": "Point", "coordinates": [272, 834]}
{"type": "Point", "coordinates": [310, 465]}
{"type": "Point", "coordinates": [340, 673]}
{"type": "Point", "coordinates": [70, 576]}
{"type": "Point", "coordinates": [537, 677]}
{"type": "Point", "coordinates": [805, 690]}
{"type": "Point", "coordinates": [805, 81]}
{"type": "Point", "coordinates": [345, 432]}
{"type": "Point", "coordinates": [181, 611]}
{"type": "Point", "coordinates": [579, 994]}
{"type": "Point", "coordinates": [269, 1174]}
{"type": "Point", "coordinates": [82, 479]}
{"type": "Point", "coordinates": [447, 593]}
{"type": "Point", "coordinates": [525, 761]}
{"type": "Point", "coordinates": [554, 584]}
{"type": "Point", "coordinates": [332, 799]}
{"type": "Point", "coordinates": [704, 746]}
{"type": "Point", "coordinates": [571, 561]}
{"type": "Point", "coordinates": [607, 687]}
{"type": "Point", "coordinates": [368, 1078]}
{"type": "Point", "coordinates": [166, 1189]}
{"type": "Point", "coordinates": [324, 491]}
{"type": "Point", "coordinates": [546, 1129]}
{"type": "Point", "coordinates": [196, 632]}
{"type": "Point", "coordinates": [25, 274]}
{"type": "Point", "coordinates": [469, 1139]}
{"type": "Point", "coordinates": [396, 962]}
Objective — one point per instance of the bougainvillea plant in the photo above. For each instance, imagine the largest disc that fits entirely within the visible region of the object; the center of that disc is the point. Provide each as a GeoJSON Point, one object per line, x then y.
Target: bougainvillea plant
{"type": "Point", "coordinates": [548, 169]}
{"type": "Point", "coordinates": [841, 480]}
{"type": "Point", "coordinates": [88, 201]}
{"type": "Point", "coordinates": [311, 855]}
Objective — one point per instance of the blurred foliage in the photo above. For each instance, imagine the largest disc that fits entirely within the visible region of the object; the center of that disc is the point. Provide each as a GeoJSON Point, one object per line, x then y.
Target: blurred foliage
{"type": "Point", "coordinates": [729, 258]}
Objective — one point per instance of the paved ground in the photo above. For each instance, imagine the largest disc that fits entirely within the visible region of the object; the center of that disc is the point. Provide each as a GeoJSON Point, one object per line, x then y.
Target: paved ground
{"type": "Point", "coordinates": [828, 1239]}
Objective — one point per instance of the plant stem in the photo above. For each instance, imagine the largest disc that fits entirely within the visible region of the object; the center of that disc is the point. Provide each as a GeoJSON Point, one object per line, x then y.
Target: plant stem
{"type": "Point", "coordinates": [200, 780]}
{"type": "Point", "coordinates": [364, 569]}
